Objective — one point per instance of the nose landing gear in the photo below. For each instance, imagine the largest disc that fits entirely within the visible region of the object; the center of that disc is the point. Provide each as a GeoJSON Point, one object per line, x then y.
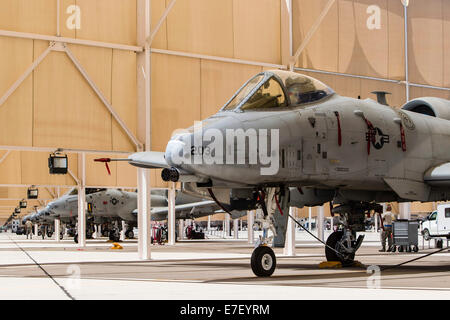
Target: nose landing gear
{"type": "Point", "coordinates": [263, 261]}
{"type": "Point", "coordinates": [275, 208]}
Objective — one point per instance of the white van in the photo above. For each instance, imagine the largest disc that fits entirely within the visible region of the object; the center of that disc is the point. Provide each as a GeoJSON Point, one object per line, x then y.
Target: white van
{"type": "Point", "coordinates": [437, 224]}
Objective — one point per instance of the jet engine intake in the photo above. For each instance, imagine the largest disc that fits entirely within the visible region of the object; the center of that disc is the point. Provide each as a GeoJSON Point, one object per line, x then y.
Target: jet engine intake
{"type": "Point", "coordinates": [430, 106]}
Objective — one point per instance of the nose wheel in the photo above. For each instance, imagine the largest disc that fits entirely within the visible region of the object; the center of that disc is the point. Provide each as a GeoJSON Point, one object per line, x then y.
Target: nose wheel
{"type": "Point", "coordinates": [263, 261]}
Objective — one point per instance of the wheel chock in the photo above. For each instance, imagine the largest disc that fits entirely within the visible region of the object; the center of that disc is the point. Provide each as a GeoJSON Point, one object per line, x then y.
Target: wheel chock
{"type": "Point", "coordinates": [116, 246]}
{"type": "Point", "coordinates": [358, 264]}
{"type": "Point", "coordinates": [330, 265]}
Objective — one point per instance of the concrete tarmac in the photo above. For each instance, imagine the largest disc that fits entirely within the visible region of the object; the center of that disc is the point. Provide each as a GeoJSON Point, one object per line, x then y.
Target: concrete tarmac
{"type": "Point", "coordinates": [210, 269]}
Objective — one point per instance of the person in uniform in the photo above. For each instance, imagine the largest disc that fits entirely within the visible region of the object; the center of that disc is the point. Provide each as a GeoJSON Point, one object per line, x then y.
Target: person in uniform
{"type": "Point", "coordinates": [387, 218]}
{"type": "Point", "coordinates": [29, 229]}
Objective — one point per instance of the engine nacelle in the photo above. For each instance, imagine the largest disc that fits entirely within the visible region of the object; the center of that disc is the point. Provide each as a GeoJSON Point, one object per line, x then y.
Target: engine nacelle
{"type": "Point", "coordinates": [430, 106]}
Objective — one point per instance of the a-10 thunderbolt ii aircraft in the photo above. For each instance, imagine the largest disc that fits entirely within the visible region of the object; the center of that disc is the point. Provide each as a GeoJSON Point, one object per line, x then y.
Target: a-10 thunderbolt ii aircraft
{"type": "Point", "coordinates": [286, 139]}
{"type": "Point", "coordinates": [114, 205]}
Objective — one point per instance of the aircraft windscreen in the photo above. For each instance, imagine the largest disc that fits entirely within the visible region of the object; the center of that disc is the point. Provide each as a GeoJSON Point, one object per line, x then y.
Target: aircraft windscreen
{"type": "Point", "coordinates": [303, 89]}
{"type": "Point", "coordinates": [270, 95]}
{"type": "Point", "coordinates": [244, 92]}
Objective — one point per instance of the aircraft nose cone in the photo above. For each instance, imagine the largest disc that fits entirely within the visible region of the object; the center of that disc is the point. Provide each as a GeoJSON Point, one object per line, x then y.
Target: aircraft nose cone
{"type": "Point", "coordinates": [176, 152]}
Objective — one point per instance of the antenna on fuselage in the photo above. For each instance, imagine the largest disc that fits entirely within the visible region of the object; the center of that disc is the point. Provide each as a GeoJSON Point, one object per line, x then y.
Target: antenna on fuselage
{"type": "Point", "coordinates": [381, 97]}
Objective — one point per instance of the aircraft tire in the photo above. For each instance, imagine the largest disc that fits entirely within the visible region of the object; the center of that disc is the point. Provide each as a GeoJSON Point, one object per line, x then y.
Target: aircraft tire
{"type": "Point", "coordinates": [129, 234]}
{"type": "Point", "coordinates": [263, 261]}
{"type": "Point", "coordinates": [113, 236]}
{"type": "Point", "coordinates": [332, 242]}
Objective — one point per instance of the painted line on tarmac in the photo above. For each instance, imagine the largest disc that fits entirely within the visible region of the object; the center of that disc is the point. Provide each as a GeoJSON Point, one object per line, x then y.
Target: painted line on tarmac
{"type": "Point", "coordinates": [46, 273]}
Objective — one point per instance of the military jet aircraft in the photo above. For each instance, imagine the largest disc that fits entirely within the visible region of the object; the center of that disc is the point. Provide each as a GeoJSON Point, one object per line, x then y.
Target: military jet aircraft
{"type": "Point", "coordinates": [113, 205]}
{"type": "Point", "coordinates": [295, 142]}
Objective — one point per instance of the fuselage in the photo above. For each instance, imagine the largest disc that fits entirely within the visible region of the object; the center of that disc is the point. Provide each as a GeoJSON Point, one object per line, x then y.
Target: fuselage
{"type": "Point", "coordinates": [109, 204]}
{"type": "Point", "coordinates": [336, 143]}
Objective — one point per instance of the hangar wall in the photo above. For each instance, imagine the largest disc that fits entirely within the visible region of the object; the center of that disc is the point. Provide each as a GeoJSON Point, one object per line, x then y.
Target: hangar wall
{"type": "Point", "coordinates": [55, 107]}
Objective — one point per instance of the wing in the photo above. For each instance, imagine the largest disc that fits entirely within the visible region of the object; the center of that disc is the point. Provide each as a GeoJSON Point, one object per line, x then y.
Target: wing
{"type": "Point", "coordinates": [438, 176]}
{"type": "Point", "coordinates": [187, 211]}
{"type": "Point", "coordinates": [148, 160]}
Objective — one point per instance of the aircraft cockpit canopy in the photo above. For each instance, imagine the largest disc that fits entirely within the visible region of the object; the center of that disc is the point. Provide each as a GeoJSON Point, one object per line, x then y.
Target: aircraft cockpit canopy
{"type": "Point", "coordinates": [278, 89]}
{"type": "Point", "coordinates": [74, 191]}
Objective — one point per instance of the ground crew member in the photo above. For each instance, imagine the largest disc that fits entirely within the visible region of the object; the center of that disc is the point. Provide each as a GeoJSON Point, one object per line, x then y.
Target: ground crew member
{"type": "Point", "coordinates": [29, 229]}
{"type": "Point", "coordinates": [43, 229]}
{"type": "Point", "coordinates": [387, 219]}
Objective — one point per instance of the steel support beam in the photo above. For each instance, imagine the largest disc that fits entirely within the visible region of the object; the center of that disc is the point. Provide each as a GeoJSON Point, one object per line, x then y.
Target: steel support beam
{"type": "Point", "coordinates": [180, 229]}
{"type": "Point", "coordinates": [405, 10]}
{"type": "Point", "coordinates": [160, 23]}
{"type": "Point", "coordinates": [320, 223]}
{"type": "Point", "coordinates": [221, 59]}
{"type": "Point", "coordinates": [77, 151]}
{"type": "Point", "coordinates": [144, 125]}
{"type": "Point", "coordinates": [171, 220]}
{"type": "Point", "coordinates": [348, 75]}
{"type": "Point", "coordinates": [144, 224]}
{"type": "Point", "coordinates": [58, 18]}
{"type": "Point", "coordinates": [105, 101]}
{"type": "Point", "coordinates": [404, 209]}
{"type": "Point", "coordinates": [289, 245]}
{"type": "Point", "coordinates": [82, 201]}
{"type": "Point", "coordinates": [236, 228]}
{"type": "Point", "coordinates": [5, 156]}
{"type": "Point", "coordinates": [25, 75]}
{"type": "Point", "coordinates": [57, 230]}
{"type": "Point", "coordinates": [89, 43]}
{"type": "Point", "coordinates": [311, 32]}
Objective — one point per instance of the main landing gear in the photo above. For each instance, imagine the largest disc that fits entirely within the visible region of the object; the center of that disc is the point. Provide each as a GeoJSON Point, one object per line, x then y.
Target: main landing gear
{"type": "Point", "coordinates": [340, 246]}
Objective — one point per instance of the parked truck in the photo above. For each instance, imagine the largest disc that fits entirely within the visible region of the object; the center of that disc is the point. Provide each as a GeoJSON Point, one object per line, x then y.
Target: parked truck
{"type": "Point", "coordinates": [437, 224]}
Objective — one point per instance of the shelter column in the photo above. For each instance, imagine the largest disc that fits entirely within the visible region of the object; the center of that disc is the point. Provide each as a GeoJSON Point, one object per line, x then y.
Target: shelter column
{"type": "Point", "coordinates": [122, 232]}
{"type": "Point", "coordinates": [250, 222]}
{"type": "Point", "coordinates": [309, 219]}
{"type": "Point", "coordinates": [180, 229]}
{"type": "Point", "coordinates": [144, 214]}
{"type": "Point", "coordinates": [82, 200]}
{"type": "Point", "coordinates": [405, 210]}
{"type": "Point", "coordinates": [171, 221]}
{"type": "Point", "coordinates": [236, 228]}
{"type": "Point", "coordinates": [319, 222]}
{"type": "Point", "coordinates": [144, 124]}
{"type": "Point", "coordinates": [57, 230]}
{"type": "Point", "coordinates": [289, 245]}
